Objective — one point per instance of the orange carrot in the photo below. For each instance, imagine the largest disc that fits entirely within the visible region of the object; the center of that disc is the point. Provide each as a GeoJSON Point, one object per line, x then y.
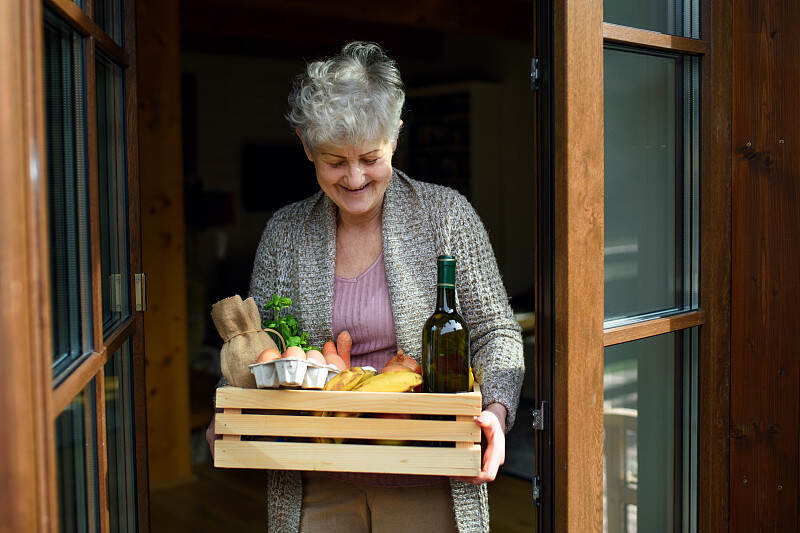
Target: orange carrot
{"type": "Point", "coordinates": [328, 348]}
{"type": "Point", "coordinates": [343, 343]}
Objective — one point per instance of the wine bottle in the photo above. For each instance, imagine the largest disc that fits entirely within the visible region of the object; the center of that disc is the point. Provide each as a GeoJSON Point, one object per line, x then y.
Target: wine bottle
{"type": "Point", "coordinates": [445, 337]}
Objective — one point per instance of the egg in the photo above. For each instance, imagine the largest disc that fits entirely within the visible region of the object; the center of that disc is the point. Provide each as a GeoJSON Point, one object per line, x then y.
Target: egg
{"type": "Point", "coordinates": [294, 352]}
{"type": "Point", "coordinates": [316, 356]}
{"type": "Point", "coordinates": [268, 355]}
{"type": "Point", "coordinates": [335, 360]}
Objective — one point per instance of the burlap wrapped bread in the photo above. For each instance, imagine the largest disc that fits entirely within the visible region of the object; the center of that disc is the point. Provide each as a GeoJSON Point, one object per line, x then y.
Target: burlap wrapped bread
{"type": "Point", "coordinates": [239, 324]}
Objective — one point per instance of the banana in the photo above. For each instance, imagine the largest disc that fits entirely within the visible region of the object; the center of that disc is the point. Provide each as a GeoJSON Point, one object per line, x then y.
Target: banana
{"type": "Point", "coordinates": [400, 381]}
{"type": "Point", "coordinates": [345, 380]}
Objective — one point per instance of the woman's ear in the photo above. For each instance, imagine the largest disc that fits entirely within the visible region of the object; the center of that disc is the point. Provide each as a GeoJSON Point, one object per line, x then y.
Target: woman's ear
{"type": "Point", "coordinates": [306, 149]}
{"type": "Point", "coordinates": [396, 137]}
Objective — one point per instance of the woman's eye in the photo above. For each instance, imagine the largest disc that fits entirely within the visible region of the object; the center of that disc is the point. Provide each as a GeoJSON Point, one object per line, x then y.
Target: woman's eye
{"type": "Point", "coordinates": [337, 165]}
{"type": "Point", "coordinates": [370, 161]}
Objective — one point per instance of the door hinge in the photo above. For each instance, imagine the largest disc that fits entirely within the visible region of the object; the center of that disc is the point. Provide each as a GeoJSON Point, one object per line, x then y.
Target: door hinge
{"type": "Point", "coordinates": [538, 417]}
{"type": "Point", "coordinates": [536, 491]}
{"type": "Point", "coordinates": [115, 285]}
{"type": "Point", "coordinates": [141, 292]}
{"type": "Point", "coordinates": [536, 74]}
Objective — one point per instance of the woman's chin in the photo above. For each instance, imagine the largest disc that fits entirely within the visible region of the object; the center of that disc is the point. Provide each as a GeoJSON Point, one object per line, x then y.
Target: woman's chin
{"type": "Point", "coordinates": [356, 206]}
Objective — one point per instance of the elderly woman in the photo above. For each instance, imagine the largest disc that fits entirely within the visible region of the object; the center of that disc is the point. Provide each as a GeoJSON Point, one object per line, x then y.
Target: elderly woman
{"type": "Point", "coordinates": [361, 255]}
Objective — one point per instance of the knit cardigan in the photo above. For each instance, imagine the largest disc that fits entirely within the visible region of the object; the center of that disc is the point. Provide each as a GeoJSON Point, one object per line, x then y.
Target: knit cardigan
{"type": "Point", "coordinates": [421, 221]}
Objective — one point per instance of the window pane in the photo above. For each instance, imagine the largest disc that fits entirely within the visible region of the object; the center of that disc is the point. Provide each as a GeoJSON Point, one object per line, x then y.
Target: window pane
{"type": "Point", "coordinates": [108, 15]}
{"type": "Point", "coordinates": [675, 17]}
{"type": "Point", "coordinates": [76, 456]}
{"type": "Point", "coordinates": [643, 417]}
{"type": "Point", "coordinates": [111, 161]}
{"type": "Point", "coordinates": [67, 182]}
{"type": "Point", "coordinates": [120, 441]}
{"type": "Point", "coordinates": [650, 184]}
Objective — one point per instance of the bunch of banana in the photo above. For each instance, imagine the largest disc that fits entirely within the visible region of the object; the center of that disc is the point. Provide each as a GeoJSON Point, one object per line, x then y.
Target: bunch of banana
{"type": "Point", "coordinates": [345, 380]}
{"type": "Point", "coordinates": [399, 381]}
{"type": "Point", "coordinates": [348, 378]}
{"type": "Point", "coordinates": [358, 379]}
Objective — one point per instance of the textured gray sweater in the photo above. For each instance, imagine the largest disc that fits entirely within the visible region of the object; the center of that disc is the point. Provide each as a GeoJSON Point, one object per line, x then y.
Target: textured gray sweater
{"type": "Point", "coordinates": [421, 221]}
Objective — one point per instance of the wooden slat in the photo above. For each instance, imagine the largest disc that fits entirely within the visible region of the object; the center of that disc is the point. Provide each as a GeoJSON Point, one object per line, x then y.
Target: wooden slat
{"type": "Point", "coordinates": [77, 381]}
{"type": "Point", "coordinates": [27, 447]}
{"type": "Point", "coordinates": [79, 20]}
{"type": "Point", "coordinates": [348, 427]}
{"type": "Point", "coordinates": [228, 436]}
{"type": "Point", "coordinates": [472, 426]}
{"type": "Point", "coordinates": [350, 401]}
{"type": "Point", "coordinates": [348, 458]}
{"type": "Point", "coordinates": [578, 265]}
{"type": "Point", "coordinates": [765, 240]}
{"type": "Point", "coordinates": [649, 328]}
{"type": "Point", "coordinates": [615, 33]}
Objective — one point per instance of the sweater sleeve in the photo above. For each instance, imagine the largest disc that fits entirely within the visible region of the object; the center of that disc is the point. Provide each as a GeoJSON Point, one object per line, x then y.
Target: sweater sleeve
{"type": "Point", "coordinates": [496, 341]}
{"type": "Point", "coordinates": [262, 280]}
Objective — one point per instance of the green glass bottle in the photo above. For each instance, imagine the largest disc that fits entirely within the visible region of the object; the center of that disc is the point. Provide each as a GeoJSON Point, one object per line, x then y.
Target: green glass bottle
{"type": "Point", "coordinates": [445, 337]}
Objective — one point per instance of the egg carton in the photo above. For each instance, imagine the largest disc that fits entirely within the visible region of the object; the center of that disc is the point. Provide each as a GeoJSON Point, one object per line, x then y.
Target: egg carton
{"type": "Point", "coordinates": [292, 373]}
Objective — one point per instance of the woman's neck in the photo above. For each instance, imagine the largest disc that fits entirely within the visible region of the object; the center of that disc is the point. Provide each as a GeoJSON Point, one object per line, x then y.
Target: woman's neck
{"type": "Point", "coordinates": [358, 243]}
{"type": "Point", "coordinates": [365, 223]}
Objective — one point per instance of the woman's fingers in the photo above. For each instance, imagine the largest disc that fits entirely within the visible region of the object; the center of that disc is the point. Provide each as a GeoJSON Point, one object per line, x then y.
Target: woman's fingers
{"type": "Point", "coordinates": [495, 453]}
{"type": "Point", "coordinates": [211, 437]}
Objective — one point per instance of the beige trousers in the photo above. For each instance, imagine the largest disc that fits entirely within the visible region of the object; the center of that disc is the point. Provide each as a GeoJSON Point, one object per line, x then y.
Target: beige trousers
{"type": "Point", "coordinates": [331, 506]}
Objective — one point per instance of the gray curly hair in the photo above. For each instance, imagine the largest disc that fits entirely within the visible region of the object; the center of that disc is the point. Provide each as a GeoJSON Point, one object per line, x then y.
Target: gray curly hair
{"type": "Point", "coordinates": [354, 96]}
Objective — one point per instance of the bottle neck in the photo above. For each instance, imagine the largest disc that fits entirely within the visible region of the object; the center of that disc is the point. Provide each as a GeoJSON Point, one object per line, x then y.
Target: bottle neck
{"type": "Point", "coordinates": [445, 299]}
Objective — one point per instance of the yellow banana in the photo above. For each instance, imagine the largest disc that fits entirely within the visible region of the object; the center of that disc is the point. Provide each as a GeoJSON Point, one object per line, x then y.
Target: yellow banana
{"type": "Point", "coordinates": [400, 381]}
{"type": "Point", "coordinates": [345, 380]}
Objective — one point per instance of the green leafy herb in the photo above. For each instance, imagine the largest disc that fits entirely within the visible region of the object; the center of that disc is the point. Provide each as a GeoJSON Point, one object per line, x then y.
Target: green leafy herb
{"type": "Point", "coordinates": [286, 325]}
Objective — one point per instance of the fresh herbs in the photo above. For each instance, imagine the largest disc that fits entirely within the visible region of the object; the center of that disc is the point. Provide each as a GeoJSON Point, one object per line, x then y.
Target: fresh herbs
{"type": "Point", "coordinates": [286, 325]}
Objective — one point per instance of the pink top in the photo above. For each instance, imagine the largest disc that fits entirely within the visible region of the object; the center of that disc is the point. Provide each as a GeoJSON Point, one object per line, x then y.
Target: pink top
{"type": "Point", "coordinates": [361, 305]}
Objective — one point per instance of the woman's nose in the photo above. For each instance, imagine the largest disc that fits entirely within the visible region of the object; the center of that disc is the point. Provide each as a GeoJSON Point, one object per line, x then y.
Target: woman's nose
{"type": "Point", "coordinates": [355, 176]}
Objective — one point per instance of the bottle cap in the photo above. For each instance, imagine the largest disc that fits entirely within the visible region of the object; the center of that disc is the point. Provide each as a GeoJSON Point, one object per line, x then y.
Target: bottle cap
{"type": "Point", "coordinates": [446, 271]}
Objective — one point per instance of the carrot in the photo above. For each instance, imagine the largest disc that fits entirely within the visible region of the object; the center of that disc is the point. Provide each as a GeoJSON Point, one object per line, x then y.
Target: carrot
{"type": "Point", "coordinates": [328, 348]}
{"type": "Point", "coordinates": [343, 343]}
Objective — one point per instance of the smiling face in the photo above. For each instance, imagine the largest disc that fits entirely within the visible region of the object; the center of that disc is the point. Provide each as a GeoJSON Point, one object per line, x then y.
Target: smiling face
{"type": "Point", "coordinates": [354, 177]}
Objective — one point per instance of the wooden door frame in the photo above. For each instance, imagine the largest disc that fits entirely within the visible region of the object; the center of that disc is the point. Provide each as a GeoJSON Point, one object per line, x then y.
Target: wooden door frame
{"type": "Point", "coordinates": [27, 453]}
{"type": "Point", "coordinates": [578, 265]}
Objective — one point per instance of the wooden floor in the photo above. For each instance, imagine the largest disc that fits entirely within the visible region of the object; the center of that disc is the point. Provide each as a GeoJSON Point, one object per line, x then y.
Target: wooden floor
{"type": "Point", "coordinates": [235, 501]}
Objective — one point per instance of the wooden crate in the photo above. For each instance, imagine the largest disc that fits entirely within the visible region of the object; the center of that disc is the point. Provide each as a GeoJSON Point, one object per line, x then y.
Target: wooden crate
{"type": "Point", "coordinates": [290, 413]}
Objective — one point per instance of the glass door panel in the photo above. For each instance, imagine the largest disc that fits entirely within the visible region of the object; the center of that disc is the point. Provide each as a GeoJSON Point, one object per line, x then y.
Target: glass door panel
{"type": "Point", "coordinates": [67, 182]}
{"type": "Point", "coordinates": [120, 441]}
{"type": "Point", "coordinates": [114, 261]}
{"type": "Point", "coordinates": [108, 15]}
{"type": "Point", "coordinates": [76, 456]}
{"type": "Point", "coordinates": [640, 432]}
{"type": "Point", "coordinates": [651, 247]}
{"type": "Point", "coordinates": [675, 17]}
{"type": "Point", "coordinates": [650, 434]}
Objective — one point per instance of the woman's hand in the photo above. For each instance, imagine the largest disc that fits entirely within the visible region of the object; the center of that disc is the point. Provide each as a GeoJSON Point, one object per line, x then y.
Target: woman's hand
{"type": "Point", "coordinates": [493, 423]}
{"type": "Point", "coordinates": [211, 437]}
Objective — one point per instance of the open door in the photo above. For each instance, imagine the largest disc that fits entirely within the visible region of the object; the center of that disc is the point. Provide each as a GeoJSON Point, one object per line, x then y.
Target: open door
{"type": "Point", "coordinates": [629, 315]}
{"type": "Point", "coordinates": [75, 332]}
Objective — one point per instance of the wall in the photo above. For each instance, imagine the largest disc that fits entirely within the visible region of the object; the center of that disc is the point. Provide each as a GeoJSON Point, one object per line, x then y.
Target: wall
{"type": "Point", "coordinates": [765, 339]}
